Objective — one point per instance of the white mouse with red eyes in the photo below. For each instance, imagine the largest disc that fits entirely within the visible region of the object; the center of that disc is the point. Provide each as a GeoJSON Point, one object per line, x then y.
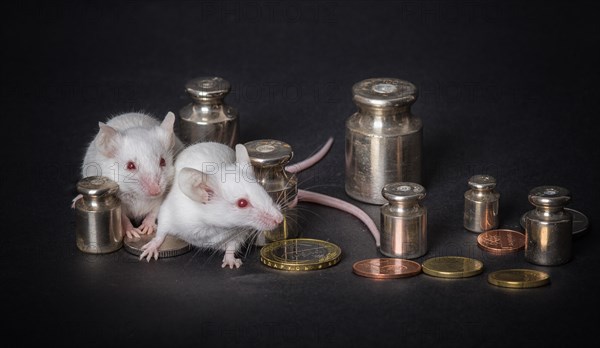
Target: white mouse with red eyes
{"type": "Point", "coordinates": [137, 151]}
{"type": "Point", "coordinates": [215, 202]}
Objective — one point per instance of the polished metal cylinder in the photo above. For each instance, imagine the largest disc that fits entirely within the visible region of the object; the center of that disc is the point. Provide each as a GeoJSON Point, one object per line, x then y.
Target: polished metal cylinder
{"type": "Point", "coordinates": [383, 138]}
{"type": "Point", "coordinates": [548, 227]}
{"type": "Point", "coordinates": [269, 158]}
{"type": "Point", "coordinates": [208, 117]}
{"type": "Point", "coordinates": [481, 204]}
{"type": "Point", "coordinates": [98, 226]}
{"type": "Point", "coordinates": [403, 221]}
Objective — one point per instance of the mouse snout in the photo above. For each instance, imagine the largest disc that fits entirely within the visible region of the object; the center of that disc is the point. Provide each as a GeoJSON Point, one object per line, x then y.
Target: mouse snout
{"type": "Point", "coordinates": [271, 220]}
{"type": "Point", "coordinates": [154, 190]}
{"type": "Point", "coordinates": [151, 187]}
{"type": "Point", "coordinates": [278, 218]}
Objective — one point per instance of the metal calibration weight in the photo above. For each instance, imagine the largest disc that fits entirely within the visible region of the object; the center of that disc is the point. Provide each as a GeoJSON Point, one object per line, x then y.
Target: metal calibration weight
{"type": "Point", "coordinates": [481, 204]}
{"type": "Point", "coordinates": [98, 227]}
{"type": "Point", "coordinates": [269, 158]}
{"type": "Point", "coordinates": [548, 227]}
{"type": "Point", "coordinates": [403, 221]}
{"type": "Point", "coordinates": [383, 138]}
{"type": "Point", "coordinates": [208, 117]}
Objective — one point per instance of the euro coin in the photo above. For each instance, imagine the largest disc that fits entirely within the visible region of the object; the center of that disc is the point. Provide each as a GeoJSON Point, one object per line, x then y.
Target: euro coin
{"type": "Point", "coordinates": [518, 278]}
{"type": "Point", "coordinates": [452, 267]}
{"type": "Point", "coordinates": [300, 254]}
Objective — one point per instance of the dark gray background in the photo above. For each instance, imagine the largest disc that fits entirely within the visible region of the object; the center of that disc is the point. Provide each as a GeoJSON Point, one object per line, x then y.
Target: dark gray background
{"type": "Point", "coordinates": [506, 89]}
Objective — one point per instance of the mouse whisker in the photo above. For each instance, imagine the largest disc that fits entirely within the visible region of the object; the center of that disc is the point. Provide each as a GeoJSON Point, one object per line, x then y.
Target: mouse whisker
{"type": "Point", "coordinates": [317, 186]}
{"type": "Point", "coordinates": [250, 242]}
{"type": "Point", "coordinates": [316, 182]}
{"type": "Point", "coordinates": [194, 254]}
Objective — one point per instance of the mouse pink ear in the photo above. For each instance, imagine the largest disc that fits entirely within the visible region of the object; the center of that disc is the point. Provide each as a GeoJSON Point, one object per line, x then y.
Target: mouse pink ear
{"type": "Point", "coordinates": [107, 140]}
{"type": "Point", "coordinates": [196, 185]}
{"type": "Point", "coordinates": [243, 160]}
{"type": "Point", "coordinates": [168, 122]}
{"type": "Point", "coordinates": [241, 154]}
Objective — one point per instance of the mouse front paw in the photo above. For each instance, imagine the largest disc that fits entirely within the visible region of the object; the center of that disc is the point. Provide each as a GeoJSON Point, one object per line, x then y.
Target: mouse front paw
{"type": "Point", "coordinates": [130, 231]}
{"type": "Point", "coordinates": [231, 261]}
{"type": "Point", "coordinates": [133, 232]}
{"type": "Point", "coordinates": [146, 228]}
{"type": "Point", "coordinates": [150, 250]}
{"type": "Point", "coordinates": [148, 225]}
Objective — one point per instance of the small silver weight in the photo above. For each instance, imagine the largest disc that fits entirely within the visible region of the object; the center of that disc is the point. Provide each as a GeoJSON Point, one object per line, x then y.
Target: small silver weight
{"type": "Point", "coordinates": [98, 226]}
{"type": "Point", "coordinates": [481, 204]}
{"type": "Point", "coordinates": [269, 158]}
{"type": "Point", "coordinates": [548, 227]}
{"type": "Point", "coordinates": [208, 117]}
{"type": "Point", "coordinates": [403, 221]}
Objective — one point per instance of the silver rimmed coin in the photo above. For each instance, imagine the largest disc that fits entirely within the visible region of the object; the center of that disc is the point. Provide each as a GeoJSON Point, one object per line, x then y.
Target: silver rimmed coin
{"type": "Point", "coordinates": [580, 221]}
{"type": "Point", "coordinates": [172, 246]}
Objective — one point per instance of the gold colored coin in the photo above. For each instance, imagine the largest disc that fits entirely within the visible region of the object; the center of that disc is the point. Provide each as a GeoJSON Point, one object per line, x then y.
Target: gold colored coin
{"type": "Point", "coordinates": [452, 267]}
{"type": "Point", "coordinates": [519, 278]}
{"type": "Point", "coordinates": [300, 254]}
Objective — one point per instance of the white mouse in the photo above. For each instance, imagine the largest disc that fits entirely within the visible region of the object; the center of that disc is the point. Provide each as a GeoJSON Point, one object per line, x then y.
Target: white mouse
{"type": "Point", "coordinates": [215, 202]}
{"type": "Point", "coordinates": [137, 151]}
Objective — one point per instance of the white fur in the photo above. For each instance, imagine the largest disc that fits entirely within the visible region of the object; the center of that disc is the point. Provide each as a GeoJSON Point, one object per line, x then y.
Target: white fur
{"type": "Point", "coordinates": [217, 223]}
{"type": "Point", "coordinates": [139, 138]}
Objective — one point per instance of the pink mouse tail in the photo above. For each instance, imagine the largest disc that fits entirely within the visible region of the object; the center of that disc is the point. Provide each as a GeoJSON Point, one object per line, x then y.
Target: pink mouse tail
{"type": "Point", "coordinates": [300, 166]}
{"type": "Point", "coordinates": [313, 197]}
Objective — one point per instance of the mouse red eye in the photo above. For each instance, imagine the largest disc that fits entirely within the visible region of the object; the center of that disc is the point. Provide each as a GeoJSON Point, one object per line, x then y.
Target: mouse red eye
{"type": "Point", "coordinates": [130, 165]}
{"type": "Point", "coordinates": [242, 203]}
{"type": "Point", "coordinates": [163, 162]}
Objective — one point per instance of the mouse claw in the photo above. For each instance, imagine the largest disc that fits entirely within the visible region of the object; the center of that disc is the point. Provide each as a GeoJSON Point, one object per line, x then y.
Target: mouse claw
{"type": "Point", "coordinates": [132, 233]}
{"type": "Point", "coordinates": [231, 261]}
{"type": "Point", "coordinates": [146, 228]}
{"type": "Point", "coordinates": [148, 225]}
{"type": "Point", "coordinates": [149, 254]}
{"type": "Point", "coordinates": [150, 249]}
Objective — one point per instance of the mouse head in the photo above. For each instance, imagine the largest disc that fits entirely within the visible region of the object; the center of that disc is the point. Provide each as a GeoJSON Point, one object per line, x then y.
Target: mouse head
{"type": "Point", "coordinates": [230, 194]}
{"type": "Point", "coordinates": [143, 156]}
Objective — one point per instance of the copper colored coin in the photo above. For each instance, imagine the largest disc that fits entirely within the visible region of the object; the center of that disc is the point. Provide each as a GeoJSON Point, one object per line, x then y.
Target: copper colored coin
{"type": "Point", "coordinates": [501, 241]}
{"type": "Point", "coordinates": [386, 268]}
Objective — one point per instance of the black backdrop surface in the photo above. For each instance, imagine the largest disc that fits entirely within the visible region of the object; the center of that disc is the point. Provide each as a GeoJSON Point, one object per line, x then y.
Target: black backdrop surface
{"type": "Point", "coordinates": [507, 89]}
